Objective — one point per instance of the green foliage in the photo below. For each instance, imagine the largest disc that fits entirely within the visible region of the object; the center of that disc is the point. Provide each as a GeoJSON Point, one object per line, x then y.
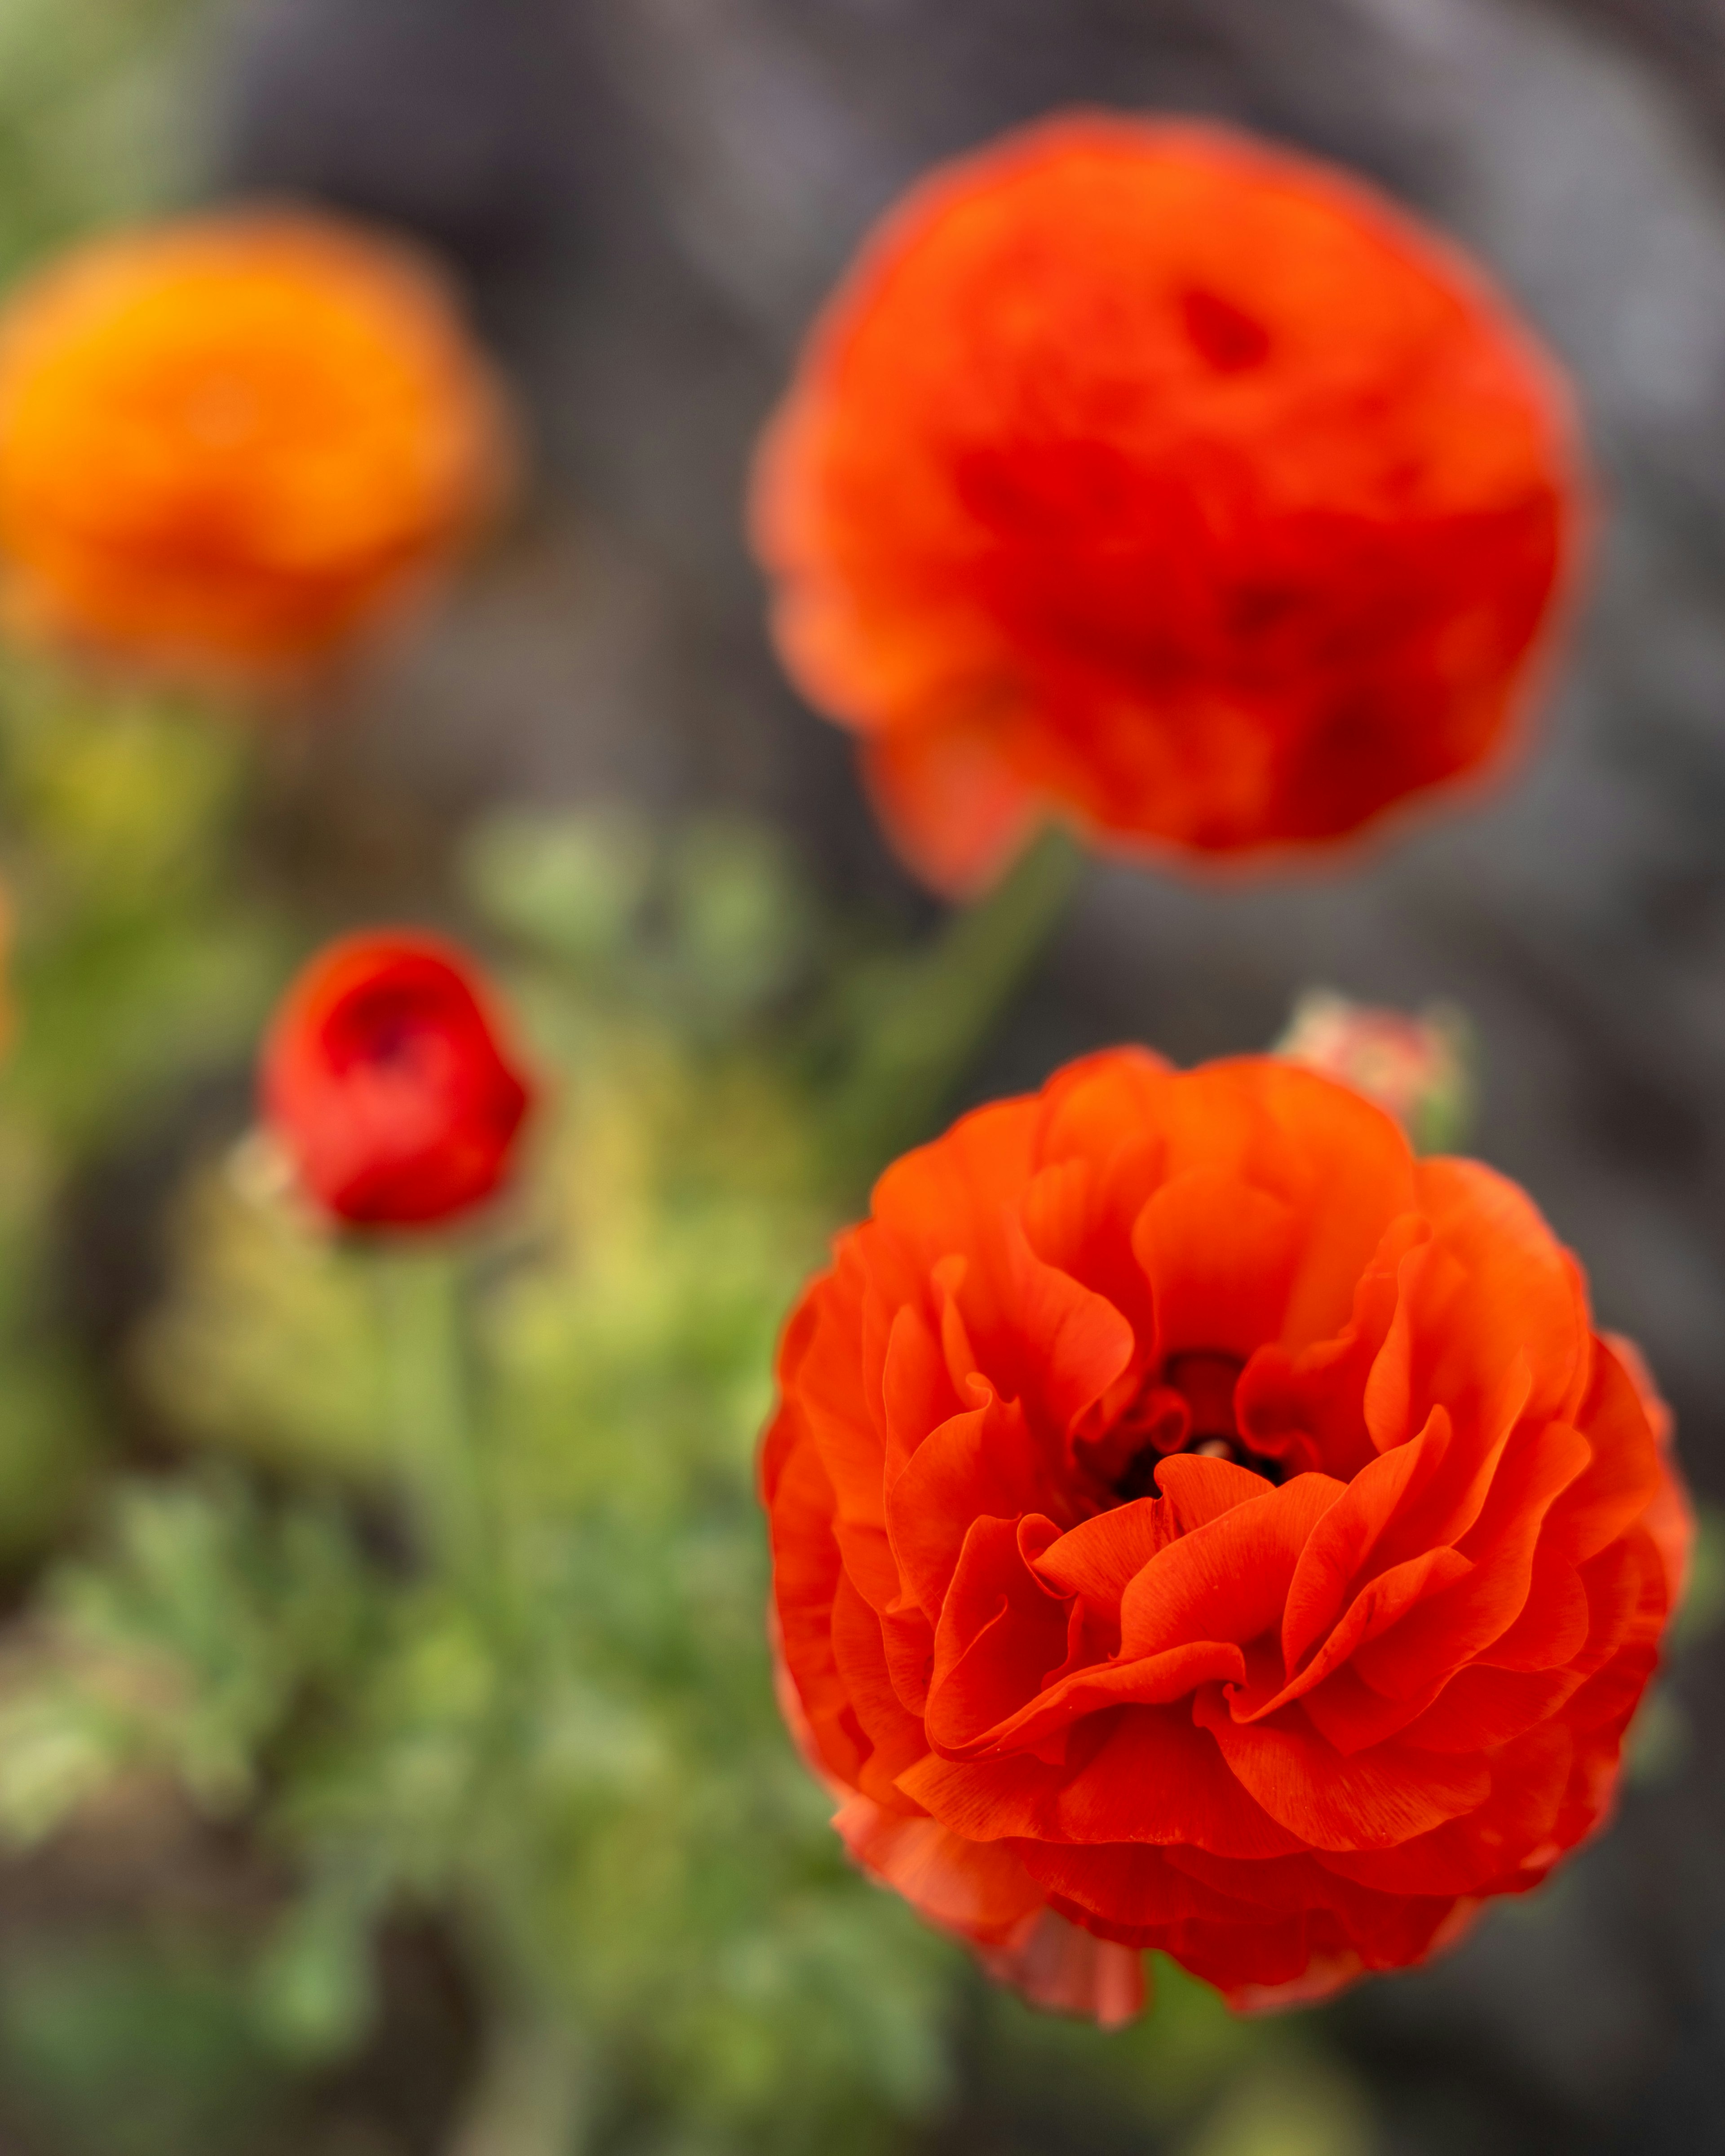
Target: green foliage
{"type": "Point", "coordinates": [94, 122]}
{"type": "Point", "coordinates": [456, 1606]}
{"type": "Point", "coordinates": [1288, 2105]}
{"type": "Point", "coordinates": [562, 1725]}
{"type": "Point", "coordinates": [185, 1648]}
{"type": "Point", "coordinates": [453, 1602]}
{"type": "Point", "coordinates": [119, 2047]}
{"type": "Point", "coordinates": [706, 928]}
{"type": "Point", "coordinates": [137, 960]}
{"type": "Point", "coordinates": [135, 965]}
{"type": "Point", "coordinates": [132, 961]}
{"type": "Point", "coordinates": [304, 1392]}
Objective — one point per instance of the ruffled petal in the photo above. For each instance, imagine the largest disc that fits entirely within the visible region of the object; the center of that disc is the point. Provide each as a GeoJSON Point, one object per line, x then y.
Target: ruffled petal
{"type": "Point", "coordinates": [1516, 1291]}
{"type": "Point", "coordinates": [1215, 1294]}
{"type": "Point", "coordinates": [979, 1891]}
{"type": "Point", "coordinates": [1372, 1800]}
{"type": "Point", "coordinates": [1228, 1579]}
{"type": "Point", "coordinates": [982, 1464]}
{"type": "Point", "coordinates": [1288, 1731]}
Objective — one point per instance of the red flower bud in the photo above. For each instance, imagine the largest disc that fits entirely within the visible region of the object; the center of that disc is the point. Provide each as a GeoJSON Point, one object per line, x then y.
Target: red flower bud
{"type": "Point", "coordinates": [383, 1078]}
{"type": "Point", "coordinates": [1414, 1067]}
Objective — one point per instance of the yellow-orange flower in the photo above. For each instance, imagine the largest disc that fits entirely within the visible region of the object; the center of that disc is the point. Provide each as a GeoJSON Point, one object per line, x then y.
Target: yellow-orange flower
{"type": "Point", "coordinates": [230, 440]}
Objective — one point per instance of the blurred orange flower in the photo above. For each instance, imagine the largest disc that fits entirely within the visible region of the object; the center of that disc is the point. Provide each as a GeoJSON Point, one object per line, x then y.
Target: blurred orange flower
{"type": "Point", "coordinates": [1169, 482]}
{"type": "Point", "coordinates": [229, 441]}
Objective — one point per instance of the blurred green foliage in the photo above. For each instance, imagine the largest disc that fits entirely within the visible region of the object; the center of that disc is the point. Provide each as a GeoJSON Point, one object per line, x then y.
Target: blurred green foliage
{"type": "Point", "coordinates": [139, 956]}
{"type": "Point", "coordinates": [455, 1605]}
{"type": "Point", "coordinates": [120, 2046]}
{"type": "Point", "coordinates": [136, 962]}
{"type": "Point", "coordinates": [98, 118]}
{"type": "Point", "coordinates": [546, 1708]}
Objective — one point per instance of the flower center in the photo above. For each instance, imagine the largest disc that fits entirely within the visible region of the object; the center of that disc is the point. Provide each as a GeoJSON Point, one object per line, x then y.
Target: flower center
{"type": "Point", "coordinates": [1187, 1407]}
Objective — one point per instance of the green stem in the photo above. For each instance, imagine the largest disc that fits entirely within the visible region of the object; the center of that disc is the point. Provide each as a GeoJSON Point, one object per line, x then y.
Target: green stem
{"type": "Point", "coordinates": [531, 2099]}
{"type": "Point", "coordinates": [428, 1379]}
{"type": "Point", "coordinates": [929, 1015]}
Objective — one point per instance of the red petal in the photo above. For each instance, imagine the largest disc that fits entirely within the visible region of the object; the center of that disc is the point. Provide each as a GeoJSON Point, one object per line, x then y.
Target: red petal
{"type": "Point", "coordinates": [1216, 1294]}
{"type": "Point", "coordinates": [1227, 1580]}
{"type": "Point", "coordinates": [1373, 1800]}
{"type": "Point", "coordinates": [1412, 1659]}
{"type": "Point", "coordinates": [982, 1464]}
{"type": "Point", "coordinates": [1622, 1478]}
{"type": "Point", "coordinates": [1552, 1627]}
{"type": "Point", "coordinates": [917, 1394]}
{"type": "Point", "coordinates": [806, 1573]}
{"type": "Point", "coordinates": [1517, 1292]}
{"type": "Point", "coordinates": [1064, 1970]}
{"type": "Point", "coordinates": [1319, 1390]}
{"type": "Point", "coordinates": [1343, 1540]}
{"type": "Point", "coordinates": [1100, 1558]}
{"type": "Point", "coordinates": [1073, 1344]}
{"type": "Point", "coordinates": [954, 806]}
{"type": "Point", "coordinates": [1199, 1490]}
{"type": "Point", "coordinates": [896, 1737]}
{"type": "Point", "coordinates": [1378, 1605]}
{"type": "Point", "coordinates": [1152, 1777]}
{"type": "Point", "coordinates": [1469, 1854]}
{"type": "Point", "coordinates": [980, 1891]}
{"type": "Point", "coordinates": [999, 1632]}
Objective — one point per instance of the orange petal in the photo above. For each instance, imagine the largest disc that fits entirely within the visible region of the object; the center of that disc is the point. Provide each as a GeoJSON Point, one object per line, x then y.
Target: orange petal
{"type": "Point", "coordinates": [1065, 1970]}
{"type": "Point", "coordinates": [1216, 1294]}
{"type": "Point", "coordinates": [1101, 1557]}
{"type": "Point", "coordinates": [955, 810]}
{"type": "Point", "coordinates": [981, 1464]}
{"type": "Point", "coordinates": [1373, 1801]}
{"type": "Point", "coordinates": [1227, 1580]}
{"type": "Point", "coordinates": [980, 1891]}
{"type": "Point", "coordinates": [1517, 1291]}
{"type": "Point", "coordinates": [1342, 1541]}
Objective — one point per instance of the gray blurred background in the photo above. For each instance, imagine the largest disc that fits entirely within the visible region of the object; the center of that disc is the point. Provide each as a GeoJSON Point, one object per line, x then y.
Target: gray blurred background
{"type": "Point", "coordinates": [650, 198]}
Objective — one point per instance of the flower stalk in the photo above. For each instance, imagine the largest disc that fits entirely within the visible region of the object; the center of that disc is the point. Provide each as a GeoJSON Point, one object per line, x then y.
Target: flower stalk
{"type": "Point", "coordinates": [530, 2094]}
{"type": "Point", "coordinates": [931, 1017]}
{"type": "Point", "coordinates": [428, 1380]}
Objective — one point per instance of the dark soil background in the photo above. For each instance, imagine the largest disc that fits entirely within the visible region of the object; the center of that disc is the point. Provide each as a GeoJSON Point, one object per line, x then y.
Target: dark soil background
{"type": "Point", "coordinates": [649, 197]}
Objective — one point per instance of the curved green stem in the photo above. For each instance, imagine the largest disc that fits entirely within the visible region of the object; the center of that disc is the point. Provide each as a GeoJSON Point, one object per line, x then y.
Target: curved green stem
{"type": "Point", "coordinates": [927, 1016]}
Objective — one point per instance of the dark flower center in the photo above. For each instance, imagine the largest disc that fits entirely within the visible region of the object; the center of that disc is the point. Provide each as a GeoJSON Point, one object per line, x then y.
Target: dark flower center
{"type": "Point", "coordinates": [1187, 1407]}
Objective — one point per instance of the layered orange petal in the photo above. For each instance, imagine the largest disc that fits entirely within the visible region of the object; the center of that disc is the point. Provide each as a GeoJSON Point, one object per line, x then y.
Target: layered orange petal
{"type": "Point", "coordinates": [1197, 1525]}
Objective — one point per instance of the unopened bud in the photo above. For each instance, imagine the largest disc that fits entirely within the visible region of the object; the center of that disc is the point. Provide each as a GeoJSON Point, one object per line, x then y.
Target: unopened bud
{"type": "Point", "coordinates": [1418, 1067]}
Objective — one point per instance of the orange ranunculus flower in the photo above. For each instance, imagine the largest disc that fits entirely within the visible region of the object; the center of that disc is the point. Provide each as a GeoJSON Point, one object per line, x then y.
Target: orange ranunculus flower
{"type": "Point", "coordinates": [229, 441]}
{"type": "Point", "coordinates": [1198, 1524]}
{"type": "Point", "coordinates": [1177, 486]}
